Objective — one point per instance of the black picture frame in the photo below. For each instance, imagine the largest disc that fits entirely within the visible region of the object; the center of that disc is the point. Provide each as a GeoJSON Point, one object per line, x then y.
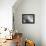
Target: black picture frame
{"type": "Point", "coordinates": [28, 18]}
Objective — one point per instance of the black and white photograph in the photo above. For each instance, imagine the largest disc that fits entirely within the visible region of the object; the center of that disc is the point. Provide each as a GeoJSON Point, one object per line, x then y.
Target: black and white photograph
{"type": "Point", "coordinates": [28, 18]}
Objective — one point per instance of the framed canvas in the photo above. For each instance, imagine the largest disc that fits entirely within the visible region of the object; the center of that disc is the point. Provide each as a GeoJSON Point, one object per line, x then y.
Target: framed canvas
{"type": "Point", "coordinates": [28, 18]}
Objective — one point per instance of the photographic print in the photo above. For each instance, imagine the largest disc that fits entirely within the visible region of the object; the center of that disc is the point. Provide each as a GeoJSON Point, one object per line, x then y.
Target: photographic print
{"type": "Point", "coordinates": [28, 18]}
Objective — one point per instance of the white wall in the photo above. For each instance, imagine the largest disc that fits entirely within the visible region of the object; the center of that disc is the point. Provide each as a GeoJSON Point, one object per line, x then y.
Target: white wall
{"type": "Point", "coordinates": [31, 31]}
{"type": "Point", "coordinates": [6, 13]}
{"type": "Point", "coordinates": [43, 22]}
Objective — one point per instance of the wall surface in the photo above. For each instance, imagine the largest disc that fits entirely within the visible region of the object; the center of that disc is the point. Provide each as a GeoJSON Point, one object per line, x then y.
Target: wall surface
{"type": "Point", "coordinates": [43, 22]}
{"type": "Point", "coordinates": [30, 31]}
{"type": "Point", "coordinates": [6, 13]}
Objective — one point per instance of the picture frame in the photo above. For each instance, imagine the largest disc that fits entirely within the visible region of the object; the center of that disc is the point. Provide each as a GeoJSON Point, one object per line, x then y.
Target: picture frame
{"type": "Point", "coordinates": [28, 18]}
